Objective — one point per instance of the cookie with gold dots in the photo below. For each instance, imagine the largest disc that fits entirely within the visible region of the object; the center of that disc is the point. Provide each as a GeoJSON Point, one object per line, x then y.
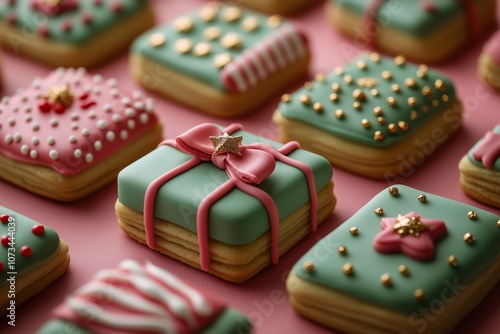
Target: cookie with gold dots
{"type": "Point", "coordinates": [411, 254]}
{"type": "Point", "coordinates": [392, 115]}
{"type": "Point", "coordinates": [221, 59]}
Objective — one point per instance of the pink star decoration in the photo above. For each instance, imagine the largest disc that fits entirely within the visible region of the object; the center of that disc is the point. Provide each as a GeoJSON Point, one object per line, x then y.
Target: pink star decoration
{"type": "Point", "coordinates": [489, 150]}
{"type": "Point", "coordinates": [409, 234]}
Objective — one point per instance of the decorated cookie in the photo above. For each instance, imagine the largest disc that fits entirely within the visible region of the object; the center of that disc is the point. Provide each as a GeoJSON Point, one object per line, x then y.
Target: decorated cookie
{"type": "Point", "coordinates": [224, 200]}
{"type": "Point", "coordinates": [64, 136]}
{"type": "Point", "coordinates": [72, 32]}
{"type": "Point", "coordinates": [221, 59]}
{"type": "Point", "coordinates": [31, 257]}
{"type": "Point", "coordinates": [135, 298]}
{"type": "Point", "coordinates": [379, 117]}
{"type": "Point", "coordinates": [480, 169]}
{"type": "Point", "coordinates": [425, 31]}
{"type": "Point", "coordinates": [278, 6]}
{"type": "Point", "coordinates": [489, 62]}
{"type": "Point", "coordinates": [407, 262]}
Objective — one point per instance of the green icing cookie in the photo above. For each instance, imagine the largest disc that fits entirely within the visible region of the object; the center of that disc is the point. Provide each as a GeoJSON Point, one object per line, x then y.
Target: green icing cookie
{"type": "Point", "coordinates": [491, 147]}
{"type": "Point", "coordinates": [432, 276]}
{"type": "Point", "coordinates": [374, 100]}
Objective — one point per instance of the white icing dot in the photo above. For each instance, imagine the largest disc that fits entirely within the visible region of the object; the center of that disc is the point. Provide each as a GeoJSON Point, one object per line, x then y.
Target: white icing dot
{"type": "Point", "coordinates": [33, 154]}
{"type": "Point", "coordinates": [92, 115]}
{"type": "Point", "coordinates": [130, 112]}
{"type": "Point", "coordinates": [19, 91]}
{"type": "Point", "coordinates": [51, 141]}
{"type": "Point", "coordinates": [8, 139]}
{"type": "Point", "coordinates": [126, 101]}
{"type": "Point", "coordinates": [89, 157]}
{"type": "Point", "coordinates": [77, 82]}
{"type": "Point", "coordinates": [110, 135]}
{"type": "Point", "coordinates": [11, 121]}
{"type": "Point", "coordinates": [97, 78]}
{"type": "Point", "coordinates": [53, 154]}
{"type": "Point", "coordinates": [136, 94]}
{"type": "Point", "coordinates": [36, 83]}
{"type": "Point", "coordinates": [25, 149]}
{"type": "Point", "coordinates": [139, 105]}
{"type": "Point", "coordinates": [144, 118]}
{"type": "Point", "coordinates": [81, 70]}
{"type": "Point", "coordinates": [28, 118]}
{"type": "Point", "coordinates": [114, 92]}
{"type": "Point", "coordinates": [60, 72]}
{"type": "Point", "coordinates": [85, 132]}
{"type": "Point", "coordinates": [15, 109]}
{"type": "Point", "coordinates": [72, 139]}
{"type": "Point", "coordinates": [27, 109]}
{"type": "Point", "coordinates": [75, 116]}
{"type": "Point", "coordinates": [35, 141]}
{"type": "Point", "coordinates": [70, 70]}
{"type": "Point", "coordinates": [150, 105]}
{"type": "Point", "coordinates": [116, 118]}
{"type": "Point", "coordinates": [98, 145]}
{"type": "Point", "coordinates": [112, 82]}
{"type": "Point", "coordinates": [38, 95]}
{"type": "Point", "coordinates": [102, 124]}
{"type": "Point", "coordinates": [87, 88]}
{"type": "Point", "coordinates": [107, 107]}
{"type": "Point", "coordinates": [54, 122]}
{"type": "Point", "coordinates": [5, 100]}
{"type": "Point", "coordinates": [17, 137]}
{"type": "Point", "coordinates": [24, 98]}
{"type": "Point", "coordinates": [74, 126]}
{"type": "Point", "coordinates": [96, 90]}
{"type": "Point", "coordinates": [35, 126]}
{"type": "Point", "coordinates": [131, 124]}
{"type": "Point", "coordinates": [77, 153]}
{"type": "Point", "coordinates": [124, 134]}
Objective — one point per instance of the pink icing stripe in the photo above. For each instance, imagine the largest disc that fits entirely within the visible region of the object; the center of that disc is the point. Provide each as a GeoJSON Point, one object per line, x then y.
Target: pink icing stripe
{"type": "Point", "coordinates": [489, 150]}
{"type": "Point", "coordinates": [492, 48]}
{"type": "Point", "coordinates": [370, 19]}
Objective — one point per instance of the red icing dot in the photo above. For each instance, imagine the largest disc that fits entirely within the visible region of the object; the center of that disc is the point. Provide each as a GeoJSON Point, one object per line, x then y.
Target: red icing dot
{"type": "Point", "coordinates": [11, 19]}
{"type": "Point", "coordinates": [116, 6]}
{"type": "Point", "coordinates": [84, 96]}
{"type": "Point", "coordinates": [86, 18]}
{"type": "Point", "coordinates": [88, 104]}
{"type": "Point", "coordinates": [5, 240]}
{"type": "Point", "coordinates": [66, 25]}
{"type": "Point", "coordinates": [26, 251]}
{"type": "Point", "coordinates": [59, 108]}
{"type": "Point", "coordinates": [1, 266]}
{"type": "Point", "coordinates": [97, 2]}
{"type": "Point", "coordinates": [38, 230]}
{"type": "Point", "coordinates": [45, 106]}
{"type": "Point", "coordinates": [43, 30]}
{"type": "Point", "coordinates": [4, 218]}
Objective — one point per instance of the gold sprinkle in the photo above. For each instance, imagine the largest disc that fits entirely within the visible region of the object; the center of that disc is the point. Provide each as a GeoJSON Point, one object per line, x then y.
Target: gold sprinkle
{"type": "Point", "coordinates": [386, 75]}
{"type": "Point", "coordinates": [286, 98]}
{"type": "Point", "coordinates": [419, 294]}
{"type": "Point", "coordinates": [403, 126]}
{"type": "Point", "coordinates": [208, 13]}
{"type": "Point", "coordinates": [339, 113]}
{"type": "Point", "coordinates": [354, 230]}
{"type": "Point", "coordinates": [320, 77]}
{"type": "Point", "coordinates": [348, 269]}
{"type": "Point", "coordinates": [250, 24]}
{"type": "Point", "coordinates": [426, 91]}
{"type": "Point", "coordinates": [231, 40]}
{"type": "Point", "coordinates": [305, 99]}
{"type": "Point", "coordinates": [399, 60]}
{"type": "Point", "coordinates": [318, 107]}
{"type": "Point", "coordinates": [422, 198]}
{"type": "Point", "coordinates": [339, 70]}
{"type": "Point", "coordinates": [183, 46]}
{"type": "Point", "coordinates": [231, 14]}
{"type": "Point", "coordinates": [379, 211]}
{"type": "Point", "coordinates": [435, 103]}
{"type": "Point", "coordinates": [422, 71]}
{"type": "Point", "coordinates": [412, 101]}
{"type": "Point", "coordinates": [469, 238]}
{"type": "Point", "coordinates": [274, 21]}
{"type": "Point", "coordinates": [374, 92]}
{"type": "Point", "coordinates": [392, 128]}
{"type": "Point", "coordinates": [445, 98]}
{"type": "Point", "coordinates": [157, 39]}
{"type": "Point", "coordinates": [367, 82]}
{"type": "Point", "coordinates": [336, 87]}
{"type": "Point", "coordinates": [439, 84]}
{"type": "Point", "coordinates": [342, 250]}
{"type": "Point", "coordinates": [222, 60]}
{"type": "Point", "coordinates": [333, 97]}
{"type": "Point", "coordinates": [361, 64]}
{"type": "Point", "coordinates": [381, 120]}
{"type": "Point", "coordinates": [498, 223]}
{"type": "Point", "coordinates": [392, 101]}
{"type": "Point", "coordinates": [202, 49]}
{"type": "Point", "coordinates": [395, 88]}
{"type": "Point", "coordinates": [472, 215]}
{"type": "Point", "coordinates": [366, 123]}
{"type": "Point", "coordinates": [348, 79]}
{"type": "Point", "coordinates": [411, 83]}
{"type": "Point", "coordinates": [359, 95]}
{"type": "Point", "coordinates": [375, 57]}
{"type": "Point", "coordinates": [378, 136]}
{"type": "Point", "coordinates": [452, 261]}
{"type": "Point", "coordinates": [404, 270]}
{"type": "Point", "coordinates": [183, 24]}
{"type": "Point", "coordinates": [378, 111]}
{"type": "Point", "coordinates": [308, 266]}
{"type": "Point", "coordinates": [394, 191]}
{"type": "Point", "coordinates": [357, 105]}
{"type": "Point", "coordinates": [386, 279]}
{"type": "Point", "coordinates": [308, 85]}
{"type": "Point", "coordinates": [211, 33]}
{"type": "Point", "coordinates": [413, 115]}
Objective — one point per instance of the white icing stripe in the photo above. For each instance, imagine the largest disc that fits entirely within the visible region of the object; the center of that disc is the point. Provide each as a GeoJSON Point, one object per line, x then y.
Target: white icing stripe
{"type": "Point", "coordinates": [233, 72]}
{"type": "Point", "coordinates": [278, 55]}
{"type": "Point", "coordinates": [298, 43]}
{"type": "Point", "coordinates": [265, 52]}
{"type": "Point", "coordinates": [284, 42]}
{"type": "Point", "coordinates": [248, 71]}
{"type": "Point", "coordinates": [257, 61]}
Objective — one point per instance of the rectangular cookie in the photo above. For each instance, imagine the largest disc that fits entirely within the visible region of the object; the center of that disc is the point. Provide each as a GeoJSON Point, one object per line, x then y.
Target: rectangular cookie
{"type": "Point", "coordinates": [225, 207]}
{"type": "Point", "coordinates": [279, 6]}
{"type": "Point", "coordinates": [376, 116]}
{"type": "Point", "coordinates": [136, 298]}
{"type": "Point", "coordinates": [407, 262]}
{"type": "Point", "coordinates": [32, 256]}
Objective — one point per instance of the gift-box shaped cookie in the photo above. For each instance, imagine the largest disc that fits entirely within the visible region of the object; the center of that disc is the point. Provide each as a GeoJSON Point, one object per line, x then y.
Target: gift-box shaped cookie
{"type": "Point", "coordinates": [224, 200]}
{"type": "Point", "coordinates": [376, 116]}
{"type": "Point", "coordinates": [221, 59]}
{"type": "Point", "coordinates": [136, 298]}
{"type": "Point", "coordinates": [72, 33]}
{"type": "Point", "coordinates": [480, 169]}
{"type": "Point", "coordinates": [32, 256]}
{"type": "Point", "coordinates": [425, 31]}
{"type": "Point", "coordinates": [407, 262]}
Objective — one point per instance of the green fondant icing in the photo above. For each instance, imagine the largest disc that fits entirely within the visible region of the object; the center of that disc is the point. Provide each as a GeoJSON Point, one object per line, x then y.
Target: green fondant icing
{"type": "Point", "coordinates": [350, 126]}
{"type": "Point", "coordinates": [496, 166]}
{"type": "Point", "coordinates": [103, 17]}
{"type": "Point", "coordinates": [201, 68]}
{"type": "Point", "coordinates": [409, 15]}
{"type": "Point", "coordinates": [43, 247]}
{"type": "Point", "coordinates": [436, 277]}
{"type": "Point", "coordinates": [236, 218]}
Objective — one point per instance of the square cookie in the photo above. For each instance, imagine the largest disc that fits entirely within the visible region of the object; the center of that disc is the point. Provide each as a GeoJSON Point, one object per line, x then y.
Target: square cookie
{"type": "Point", "coordinates": [407, 262]}
{"type": "Point", "coordinates": [136, 298]}
{"type": "Point", "coordinates": [221, 59]}
{"type": "Point", "coordinates": [72, 33]}
{"type": "Point", "coordinates": [70, 133]}
{"type": "Point", "coordinates": [425, 31]}
{"type": "Point", "coordinates": [32, 256]}
{"type": "Point", "coordinates": [480, 169]}
{"type": "Point", "coordinates": [376, 116]}
{"type": "Point", "coordinates": [224, 201]}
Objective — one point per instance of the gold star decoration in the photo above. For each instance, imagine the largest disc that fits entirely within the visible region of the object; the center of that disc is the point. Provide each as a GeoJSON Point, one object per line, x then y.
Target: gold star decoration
{"type": "Point", "coordinates": [60, 94]}
{"type": "Point", "coordinates": [409, 226]}
{"type": "Point", "coordinates": [226, 144]}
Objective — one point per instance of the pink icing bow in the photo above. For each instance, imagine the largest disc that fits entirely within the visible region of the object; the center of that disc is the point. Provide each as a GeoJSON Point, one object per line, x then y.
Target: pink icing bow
{"type": "Point", "coordinates": [253, 165]}
{"type": "Point", "coordinates": [54, 7]}
{"type": "Point", "coordinates": [488, 151]}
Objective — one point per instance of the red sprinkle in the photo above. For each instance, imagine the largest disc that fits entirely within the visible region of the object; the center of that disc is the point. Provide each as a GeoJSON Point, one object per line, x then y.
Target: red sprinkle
{"type": "Point", "coordinates": [88, 104]}
{"type": "Point", "coordinates": [86, 18]}
{"type": "Point", "coordinates": [26, 251]}
{"type": "Point", "coordinates": [66, 25]}
{"type": "Point", "coordinates": [59, 108]}
{"type": "Point", "coordinates": [44, 106]}
{"type": "Point", "coordinates": [43, 30]}
{"type": "Point", "coordinates": [5, 240]}
{"type": "Point", "coordinates": [84, 96]}
{"type": "Point", "coordinates": [4, 218]}
{"type": "Point", "coordinates": [38, 230]}
{"type": "Point", "coordinates": [11, 19]}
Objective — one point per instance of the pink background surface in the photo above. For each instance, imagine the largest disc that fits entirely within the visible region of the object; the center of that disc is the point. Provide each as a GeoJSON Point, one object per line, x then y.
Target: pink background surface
{"type": "Point", "coordinates": [90, 228]}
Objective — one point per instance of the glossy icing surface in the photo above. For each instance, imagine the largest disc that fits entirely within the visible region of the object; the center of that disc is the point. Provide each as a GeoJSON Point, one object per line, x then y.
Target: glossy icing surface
{"type": "Point", "coordinates": [433, 277]}
{"type": "Point", "coordinates": [370, 81]}
{"type": "Point", "coordinates": [492, 48]}
{"type": "Point", "coordinates": [236, 218]}
{"type": "Point", "coordinates": [71, 128]}
{"type": "Point", "coordinates": [486, 152]}
{"type": "Point", "coordinates": [43, 243]}
{"type": "Point", "coordinates": [74, 25]}
{"type": "Point", "coordinates": [229, 48]}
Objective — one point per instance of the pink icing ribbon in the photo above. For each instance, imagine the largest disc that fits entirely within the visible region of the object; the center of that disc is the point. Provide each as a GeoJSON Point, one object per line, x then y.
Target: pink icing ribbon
{"type": "Point", "coordinates": [488, 151]}
{"type": "Point", "coordinates": [55, 7]}
{"type": "Point", "coordinates": [256, 162]}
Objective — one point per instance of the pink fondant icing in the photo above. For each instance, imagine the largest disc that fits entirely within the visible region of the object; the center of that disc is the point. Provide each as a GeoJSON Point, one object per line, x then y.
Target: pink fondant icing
{"type": "Point", "coordinates": [492, 47]}
{"type": "Point", "coordinates": [256, 163]}
{"type": "Point", "coordinates": [488, 151]}
{"type": "Point", "coordinates": [53, 7]}
{"type": "Point", "coordinates": [420, 248]}
{"type": "Point", "coordinates": [101, 120]}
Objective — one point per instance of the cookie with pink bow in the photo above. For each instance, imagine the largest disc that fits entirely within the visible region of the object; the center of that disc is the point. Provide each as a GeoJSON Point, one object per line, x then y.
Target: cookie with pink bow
{"type": "Point", "coordinates": [224, 200]}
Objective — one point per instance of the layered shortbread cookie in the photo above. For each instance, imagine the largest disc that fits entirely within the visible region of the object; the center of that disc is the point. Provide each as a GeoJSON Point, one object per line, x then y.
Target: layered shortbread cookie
{"type": "Point", "coordinates": [72, 33]}
{"type": "Point", "coordinates": [425, 31]}
{"type": "Point", "coordinates": [378, 117]}
{"type": "Point", "coordinates": [224, 201]}
{"type": "Point", "coordinates": [32, 256]}
{"type": "Point", "coordinates": [136, 298]}
{"type": "Point", "coordinates": [488, 67]}
{"type": "Point", "coordinates": [221, 59]}
{"type": "Point", "coordinates": [480, 169]}
{"type": "Point", "coordinates": [278, 6]}
{"type": "Point", "coordinates": [407, 262]}
{"type": "Point", "coordinates": [70, 133]}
